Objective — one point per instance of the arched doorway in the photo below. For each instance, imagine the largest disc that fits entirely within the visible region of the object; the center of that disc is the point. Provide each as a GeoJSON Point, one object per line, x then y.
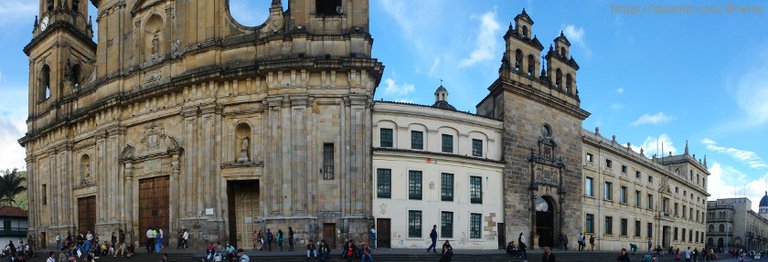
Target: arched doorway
{"type": "Point", "coordinates": [545, 221]}
{"type": "Point", "coordinates": [720, 242]}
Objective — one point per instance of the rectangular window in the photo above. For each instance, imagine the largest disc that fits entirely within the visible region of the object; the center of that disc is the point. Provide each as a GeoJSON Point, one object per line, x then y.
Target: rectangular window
{"type": "Point", "coordinates": [675, 234]}
{"type": "Point", "coordinates": [684, 208]}
{"type": "Point", "coordinates": [588, 187]}
{"type": "Point", "coordinates": [383, 183]}
{"type": "Point", "coordinates": [446, 224]}
{"type": "Point", "coordinates": [676, 209]}
{"type": "Point", "coordinates": [386, 137]}
{"type": "Point", "coordinates": [650, 179]}
{"type": "Point", "coordinates": [474, 225]}
{"type": "Point", "coordinates": [414, 185]}
{"type": "Point", "coordinates": [447, 143]}
{"type": "Point", "coordinates": [682, 237]}
{"type": "Point", "coordinates": [624, 195]}
{"type": "Point", "coordinates": [328, 7]}
{"type": "Point", "coordinates": [608, 188]}
{"type": "Point", "coordinates": [590, 157]}
{"type": "Point", "coordinates": [650, 230]}
{"type": "Point", "coordinates": [328, 161]}
{"type": "Point", "coordinates": [697, 237]}
{"type": "Point", "coordinates": [637, 228]}
{"type": "Point", "coordinates": [477, 147]}
{"type": "Point", "coordinates": [590, 223]}
{"type": "Point", "coordinates": [417, 140]}
{"type": "Point", "coordinates": [608, 163]}
{"type": "Point", "coordinates": [650, 201]}
{"type": "Point", "coordinates": [414, 223]}
{"type": "Point", "coordinates": [45, 195]}
{"type": "Point", "coordinates": [637, 174]}
{"type": "Point", "coordinates": [7, 225]}
{"type": "Point", "coordinates": [446, 187]}
{"type": "Point", "coordinates": [608, 225]}
{"type": "Point", "coordinates": [623, 169]}
{"type": "Point", "coordinates": [624, 226]}
{"type": "Point", "coordinates": [637, 198]}
{"type": "Point", "coordinates": [476, 189]}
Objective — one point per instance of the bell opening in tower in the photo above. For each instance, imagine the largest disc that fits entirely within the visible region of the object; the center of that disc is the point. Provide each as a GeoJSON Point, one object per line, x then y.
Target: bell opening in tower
{"type": "Point", "coordinates": [328, 7]}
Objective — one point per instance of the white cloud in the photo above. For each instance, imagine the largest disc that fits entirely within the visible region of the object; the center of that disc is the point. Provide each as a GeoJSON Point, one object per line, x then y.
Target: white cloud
{"type": "Point", "coordinates": [486, 40]}
{"type": "Point", "coordinates": [393, 88]}
{"type": "Point", "coordinates": [11, 129]}
{"type": "Point", "coordinates": [658, 118]}
{"type": "Point", "coordinates": [575, 35]}
{"type": "Point", "coordinates": [617, 107]}
{"type": "Point", "coordinates": [434, 66]}
{"type": "Point", "coordinates": [748, 157]}
{"type": "Point", "coordinates": [653, 145]}
{"type": "Point", "coordinates": [752, 92]}
{"type": "Point", "coordinates": [619, 90]}
{"type": "Point", "coordinates": [729, 182]}
{"type": "Point", "coordinates": [18, 12]}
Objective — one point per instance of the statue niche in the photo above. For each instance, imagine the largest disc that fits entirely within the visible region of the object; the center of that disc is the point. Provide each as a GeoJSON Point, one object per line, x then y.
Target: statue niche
{"type": "Point", "coordinates": [154, 38]}
{"type": "Point", "coordinates": [85, 170]}
{"type": "Point", "coordinates": [243, 142]}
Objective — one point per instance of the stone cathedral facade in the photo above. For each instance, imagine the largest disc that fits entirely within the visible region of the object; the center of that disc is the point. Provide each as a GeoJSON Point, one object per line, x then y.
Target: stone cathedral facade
{"type": "Point", "coordinates": [178, 117]}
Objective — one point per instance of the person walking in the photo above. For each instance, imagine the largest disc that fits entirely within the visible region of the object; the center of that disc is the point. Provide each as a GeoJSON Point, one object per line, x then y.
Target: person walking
{"type": "Point", "coordinates": [433, 236]}
{"type": "Point", "coordinates": [290, 239]}
{"type": "Point", "coordinates": [150, 239]}
{"type": "Point", "coordinates": [581, 242]}
{"type": "Point", "coordinates": [522, 246]}
{"type": "Point", "coordinates": [650, 244]}
{"type": "Point", "coordinates": [547, 256]}
{"type": "Point", "coordinates": [565, 241]}
{"type": "Point", "coordinates": [372, 236]}
{"type": "Point", "coordinates": [687, 254]}
{"type": "Point", "coordinates": [592, 243]}
{"type": "Point", "coordinates": [269, 240]}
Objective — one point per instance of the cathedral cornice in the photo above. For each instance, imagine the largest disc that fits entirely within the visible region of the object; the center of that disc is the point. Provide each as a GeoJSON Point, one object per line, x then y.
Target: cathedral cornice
{"type": "Point", "coordinates": [54, 27]}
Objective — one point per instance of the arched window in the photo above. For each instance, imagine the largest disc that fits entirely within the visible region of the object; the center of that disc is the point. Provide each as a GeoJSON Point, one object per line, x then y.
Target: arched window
{"type": "Point", "coordinates": [722, 228]}
{"type": "Point", "coordinates": [45, 83]}
{"type": "Point", "coordinates": [711, 228]}
{"type": "Point", "coordinates": [531, 65]}
{"type": "Point", "coordinates": [525, 32]}
{"type": "Point", "coordinates": [568, 83]}
{"type": "Point", "coordinates": [562, 52]}
{"type": "Point", "coordinates": [558, 78]}
{"type": "Point", "coordinates": [75, 76]}
{"type": "Point", "coordinates": [518, 59]}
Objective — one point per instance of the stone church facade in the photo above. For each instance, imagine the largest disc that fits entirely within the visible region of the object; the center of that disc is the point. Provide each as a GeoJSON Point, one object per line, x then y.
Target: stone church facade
{"type": "Point", "coordinates": [179, 117]}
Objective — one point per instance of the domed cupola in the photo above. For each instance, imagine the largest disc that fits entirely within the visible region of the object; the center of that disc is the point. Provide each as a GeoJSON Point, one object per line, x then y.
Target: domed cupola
{"type": "Point", "coordinates": [441, 99]}
{"type": "Point", "coordinates": [764, 205]}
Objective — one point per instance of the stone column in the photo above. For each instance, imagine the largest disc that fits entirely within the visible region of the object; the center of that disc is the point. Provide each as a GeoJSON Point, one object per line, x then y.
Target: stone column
{"type": "Point", "coordinates": [32, 185]}
{"type": "Point", "coordinates": [208, 159]}
{"type": "Point", "coordinates": [191, 201]}
{"type": "Point", "coordinates": [127, 208]}
{"type": "Point", "coordinates": [100, 175]}
{"type": "Point", "coordinates": [299, 155]}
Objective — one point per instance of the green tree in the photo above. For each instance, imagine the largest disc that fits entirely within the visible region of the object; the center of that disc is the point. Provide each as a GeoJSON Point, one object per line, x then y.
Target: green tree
{"type": "Point", "coordinates": [11, 184]}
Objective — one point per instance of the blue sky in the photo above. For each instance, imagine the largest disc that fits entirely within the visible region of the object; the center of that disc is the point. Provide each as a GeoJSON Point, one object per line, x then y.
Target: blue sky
{"type": "Point", "coordinates": [700, 77]}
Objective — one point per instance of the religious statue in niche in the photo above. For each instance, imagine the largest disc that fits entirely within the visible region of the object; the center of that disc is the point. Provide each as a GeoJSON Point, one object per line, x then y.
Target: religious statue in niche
{"type": "Point", "coordinates": [155, 46]}
{"type": "Point", "coordinates": [244, 150]}
{"type": "Point", "coordinates": [86, 173]}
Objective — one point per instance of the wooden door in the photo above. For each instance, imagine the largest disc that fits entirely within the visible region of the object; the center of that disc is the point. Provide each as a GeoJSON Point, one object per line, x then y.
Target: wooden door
{"type": "Point", "coordinates": [44, 240]}
{"type": "Point", "coordinates": [153, 205]}
{"type": "Point", "coordinates": [86, 215]}
{"type": "Point", "coordinates": [502, 235]}
{"type": "Point", "coordinates": [243, 198]}
{"type": "Point", "coordinates": [383, 233]}
{"type": "Point", "coordinates": [329, 234]}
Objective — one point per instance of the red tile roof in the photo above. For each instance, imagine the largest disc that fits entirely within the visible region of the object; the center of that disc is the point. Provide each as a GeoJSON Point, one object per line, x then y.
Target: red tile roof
{"type": "Point", "coordinates": [8, 211]}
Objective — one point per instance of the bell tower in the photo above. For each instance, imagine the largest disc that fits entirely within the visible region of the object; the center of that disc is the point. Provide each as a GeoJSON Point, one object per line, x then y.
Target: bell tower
{"type": "Point", "coordinates": [61, 53]}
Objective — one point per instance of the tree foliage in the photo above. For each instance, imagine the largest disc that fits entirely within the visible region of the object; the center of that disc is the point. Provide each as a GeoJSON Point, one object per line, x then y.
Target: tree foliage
{"type": "Point", "coordinates": [12, 183]}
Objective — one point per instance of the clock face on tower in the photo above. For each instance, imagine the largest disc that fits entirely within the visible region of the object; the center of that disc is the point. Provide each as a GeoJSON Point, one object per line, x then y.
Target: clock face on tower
{"type": "Point", "coordinates": [44, 23]}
